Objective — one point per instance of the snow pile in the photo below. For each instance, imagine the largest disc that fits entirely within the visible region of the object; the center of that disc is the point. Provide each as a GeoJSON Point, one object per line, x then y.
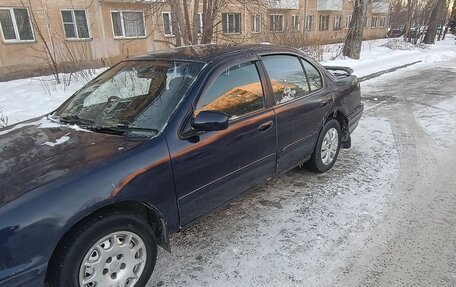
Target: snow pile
{"type": "Point", "coordinates": [399, 44]}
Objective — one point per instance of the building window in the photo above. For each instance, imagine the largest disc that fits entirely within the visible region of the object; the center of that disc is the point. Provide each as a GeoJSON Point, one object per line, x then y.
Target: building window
{"type": "Point", "coordinates": [295, 22]}
{"type": "Point", "coordinates": [167, 23]}
{"type": "Point", "coordinates": [255, 23]}
{"type": "Point", "coordinates": [374, 22]}
{"type": "Point", "coordinates": [231, 23]}
{"type": "Point", "coordinates": [309, 22]}
{"type": "Point", "coordinates": [75, 24]}
{"type": "Point", "coordinates": [382, 22]}
{"type": "Point", "coordinates": [366, 23]}
{"type": "Point", "coordinates": [128, 24]}
{"type": "Point", "coordinates": [337, 22]}
{"type": "Point", "coordinates": [16, 25]}
{"type": "Point", "coordinates": [349, 19]}
{"type": "Point", "coordinates": [199, 25]}
{"type": "Point", "coordinates": [276, 22]}
{"type": "Point", "coordinates": [324, 21]}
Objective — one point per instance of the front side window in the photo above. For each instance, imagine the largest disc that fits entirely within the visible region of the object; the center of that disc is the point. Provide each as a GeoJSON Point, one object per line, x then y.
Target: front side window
{"type": "Point", "coordinates": [231, 23]}
{"type": "Point", "coordinates": [167, 23]}
{"type": "Point", "coordinates": [128, 24]}
{"type": "Point", "coordinates": [287, 77]}
{"type": "Point", "coordinates": [75, 24]}
{"type": "Point", "coordinates": [132, 94]}
{"type": "Point", "coordinates": [237, 91]}
{"type": "Point", "coordinates": [16, 25]}
{"type": "Point", "coordinates": [276, 22]}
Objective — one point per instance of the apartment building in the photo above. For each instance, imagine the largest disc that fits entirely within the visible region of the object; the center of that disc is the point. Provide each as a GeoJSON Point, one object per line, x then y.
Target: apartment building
{"type": "Point", "coordinates": [94, 33]}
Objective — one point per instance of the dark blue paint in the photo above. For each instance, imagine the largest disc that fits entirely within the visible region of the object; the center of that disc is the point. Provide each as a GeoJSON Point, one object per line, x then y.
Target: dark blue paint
{"type": "Point", "coordinates": [180, 174]}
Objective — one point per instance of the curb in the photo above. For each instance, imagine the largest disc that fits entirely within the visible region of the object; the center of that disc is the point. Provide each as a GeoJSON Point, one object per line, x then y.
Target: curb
{"type": "Point", "coordinates": [378, 74]}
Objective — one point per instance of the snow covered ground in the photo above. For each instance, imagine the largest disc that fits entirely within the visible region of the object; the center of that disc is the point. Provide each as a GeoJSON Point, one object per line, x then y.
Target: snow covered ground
{"type": "Point", "coordinates": [28, 98]}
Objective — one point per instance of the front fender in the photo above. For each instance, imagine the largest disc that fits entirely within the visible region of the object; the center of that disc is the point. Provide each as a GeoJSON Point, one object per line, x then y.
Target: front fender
{"type": "Point", "coordinates": [32, 225]}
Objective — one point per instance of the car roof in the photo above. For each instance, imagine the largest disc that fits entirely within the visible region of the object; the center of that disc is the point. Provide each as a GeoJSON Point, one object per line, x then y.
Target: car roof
{"type": "Point", "coordinates": [210, 52]}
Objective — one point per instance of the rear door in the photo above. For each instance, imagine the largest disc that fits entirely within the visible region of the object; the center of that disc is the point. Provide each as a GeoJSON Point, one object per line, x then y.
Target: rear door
{"type": "Point", "coordinates": [300, 104]}
{"type": "Point", "coordinates": [213, 167]}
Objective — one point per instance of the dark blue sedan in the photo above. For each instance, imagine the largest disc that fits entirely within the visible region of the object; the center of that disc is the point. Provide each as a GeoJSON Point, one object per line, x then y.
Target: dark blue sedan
{"type": "Point", "coordinates": [89, 191]}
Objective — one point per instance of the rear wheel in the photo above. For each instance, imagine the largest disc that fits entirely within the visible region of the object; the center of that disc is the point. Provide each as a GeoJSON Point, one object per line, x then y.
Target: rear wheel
{"type": "Point", "coordinates": [327, 147]}
{"type": "Point", "coordinates": [115, 248]}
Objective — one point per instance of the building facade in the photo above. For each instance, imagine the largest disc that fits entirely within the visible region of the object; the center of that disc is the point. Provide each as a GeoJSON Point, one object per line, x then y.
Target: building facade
{"type": "Point", "coordinates": [39, 34]}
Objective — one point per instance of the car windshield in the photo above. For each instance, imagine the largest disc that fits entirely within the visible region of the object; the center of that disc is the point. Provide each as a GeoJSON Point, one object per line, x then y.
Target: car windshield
{"type": "Point", "coordinates": [132, 97]}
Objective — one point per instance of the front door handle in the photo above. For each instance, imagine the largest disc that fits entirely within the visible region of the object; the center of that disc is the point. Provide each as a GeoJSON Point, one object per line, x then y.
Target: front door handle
{"type": "Point", "coordinates": [265, 126]}
{"type": "Point", "coordinates": [324, 102]}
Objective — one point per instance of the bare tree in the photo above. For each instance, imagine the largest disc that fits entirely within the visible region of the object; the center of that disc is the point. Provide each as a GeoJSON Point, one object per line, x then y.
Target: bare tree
{"type": "Point", "coordinates": [354, 40]}
{"type": "Point", "coordinates": [48, 51]}
{"type": "Point", "coordinates": [436, 15]}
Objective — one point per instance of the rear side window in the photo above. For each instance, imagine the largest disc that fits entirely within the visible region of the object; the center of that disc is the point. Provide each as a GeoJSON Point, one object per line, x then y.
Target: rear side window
{"type": "Point", "coordinates": [313, 75]}
{"type": "Point", "coordinates": [287, 77]}
{"type": "Point", "coordinates": [237, 91]}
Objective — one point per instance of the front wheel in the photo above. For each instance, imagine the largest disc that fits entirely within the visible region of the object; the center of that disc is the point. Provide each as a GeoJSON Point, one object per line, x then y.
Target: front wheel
{"type": "Point", "coordinates": [115, 248]}
{"type": "Point", "coordinates": [327, 148]}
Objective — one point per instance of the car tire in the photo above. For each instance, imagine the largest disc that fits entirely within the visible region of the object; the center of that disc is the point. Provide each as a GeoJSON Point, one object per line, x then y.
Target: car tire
{"type": "Point", "coordinates": [98, 248]}
{"type": "Point", "coordinates": [329, 141]}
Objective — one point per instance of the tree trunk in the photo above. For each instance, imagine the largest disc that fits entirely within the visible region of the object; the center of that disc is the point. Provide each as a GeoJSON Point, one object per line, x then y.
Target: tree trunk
{"type": "Point", "coordinates": [195, 21]}
{"type": "Point", "coordinates": [354, 40]}
{"type": "Point", "coordinates": [187, 22]}
{"type": "Point", "coordinates": [452, 19]}
{"type": "Point", "coordinates": [434, 21]}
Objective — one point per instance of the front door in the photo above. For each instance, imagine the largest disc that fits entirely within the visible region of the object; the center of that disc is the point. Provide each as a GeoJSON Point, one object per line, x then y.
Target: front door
{"type": "Point", "coordinates": [217, 166]}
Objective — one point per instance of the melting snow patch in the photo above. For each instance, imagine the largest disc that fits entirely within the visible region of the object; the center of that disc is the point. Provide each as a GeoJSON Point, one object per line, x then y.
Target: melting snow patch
{"type": "Point", "coordinates": [61, 140]}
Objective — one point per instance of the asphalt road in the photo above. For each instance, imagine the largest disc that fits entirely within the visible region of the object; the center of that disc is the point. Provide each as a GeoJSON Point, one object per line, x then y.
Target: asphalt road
{"type": "Point", "coordinates": [385, 215]}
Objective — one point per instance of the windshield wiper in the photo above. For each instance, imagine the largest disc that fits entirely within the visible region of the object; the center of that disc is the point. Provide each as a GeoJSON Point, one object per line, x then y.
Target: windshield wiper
{"type": "Point", "coordinates": [122, 129]}
{"type": "Point", "coordinates": [73, 119]}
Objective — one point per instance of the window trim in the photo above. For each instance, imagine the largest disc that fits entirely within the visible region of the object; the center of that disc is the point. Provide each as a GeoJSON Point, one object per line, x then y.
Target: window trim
{"type": "Point", "coordinates": [293, 18]}
{"type": "Point", "coordinates": [240, 23]}
{"type": "Point", "coordinates": [320, 28]}
{"type": "Point", "coordinates": [171, 28]}
{"type": "Point", "coordinates": [309, 27]}
{"type": "Point", "coordinates": [16, 31]}
{"type": "Point", "coordinates": [256, 24]}
{"type": "Point", "coordinates": [200, 20]}
{"type": "Point", "coordinates": [349, 19]}
{"type": "Point", "coordinates": [271, 24]}
{"type": "Point", "coordinates": [340, 17]}
{"type": "Point", "coordinates": [74, 25]}
{"type": "Point", "coordinates": [372, 22]}
{"type": "Point", "coordinates": [123, 26]}
{"type": "Point", "coordinates": [383, 18]}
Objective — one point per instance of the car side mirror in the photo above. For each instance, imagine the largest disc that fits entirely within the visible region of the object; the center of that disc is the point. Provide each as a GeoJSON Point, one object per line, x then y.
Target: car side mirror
{"type": "Point", "coordinates": [210, 121]}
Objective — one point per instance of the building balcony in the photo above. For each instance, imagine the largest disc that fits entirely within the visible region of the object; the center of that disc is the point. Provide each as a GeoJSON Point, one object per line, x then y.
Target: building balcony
{"type": "Point", "coordinates": [329, 5]}
{"type": "Point", "coordinates": [282, 4]}
{"type": "Point", "coordinates": [380, 7]}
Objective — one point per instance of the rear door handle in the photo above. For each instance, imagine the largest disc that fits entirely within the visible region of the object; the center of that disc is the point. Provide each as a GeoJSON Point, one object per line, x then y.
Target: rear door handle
{"type": "Point", "coordinates": [265, 126]}
{"type": "Point", "coordinates": [324, 102]}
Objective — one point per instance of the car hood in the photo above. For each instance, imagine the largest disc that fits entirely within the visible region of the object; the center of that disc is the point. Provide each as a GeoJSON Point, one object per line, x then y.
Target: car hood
{"type": "Point", "coordinates": [38, 151]}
